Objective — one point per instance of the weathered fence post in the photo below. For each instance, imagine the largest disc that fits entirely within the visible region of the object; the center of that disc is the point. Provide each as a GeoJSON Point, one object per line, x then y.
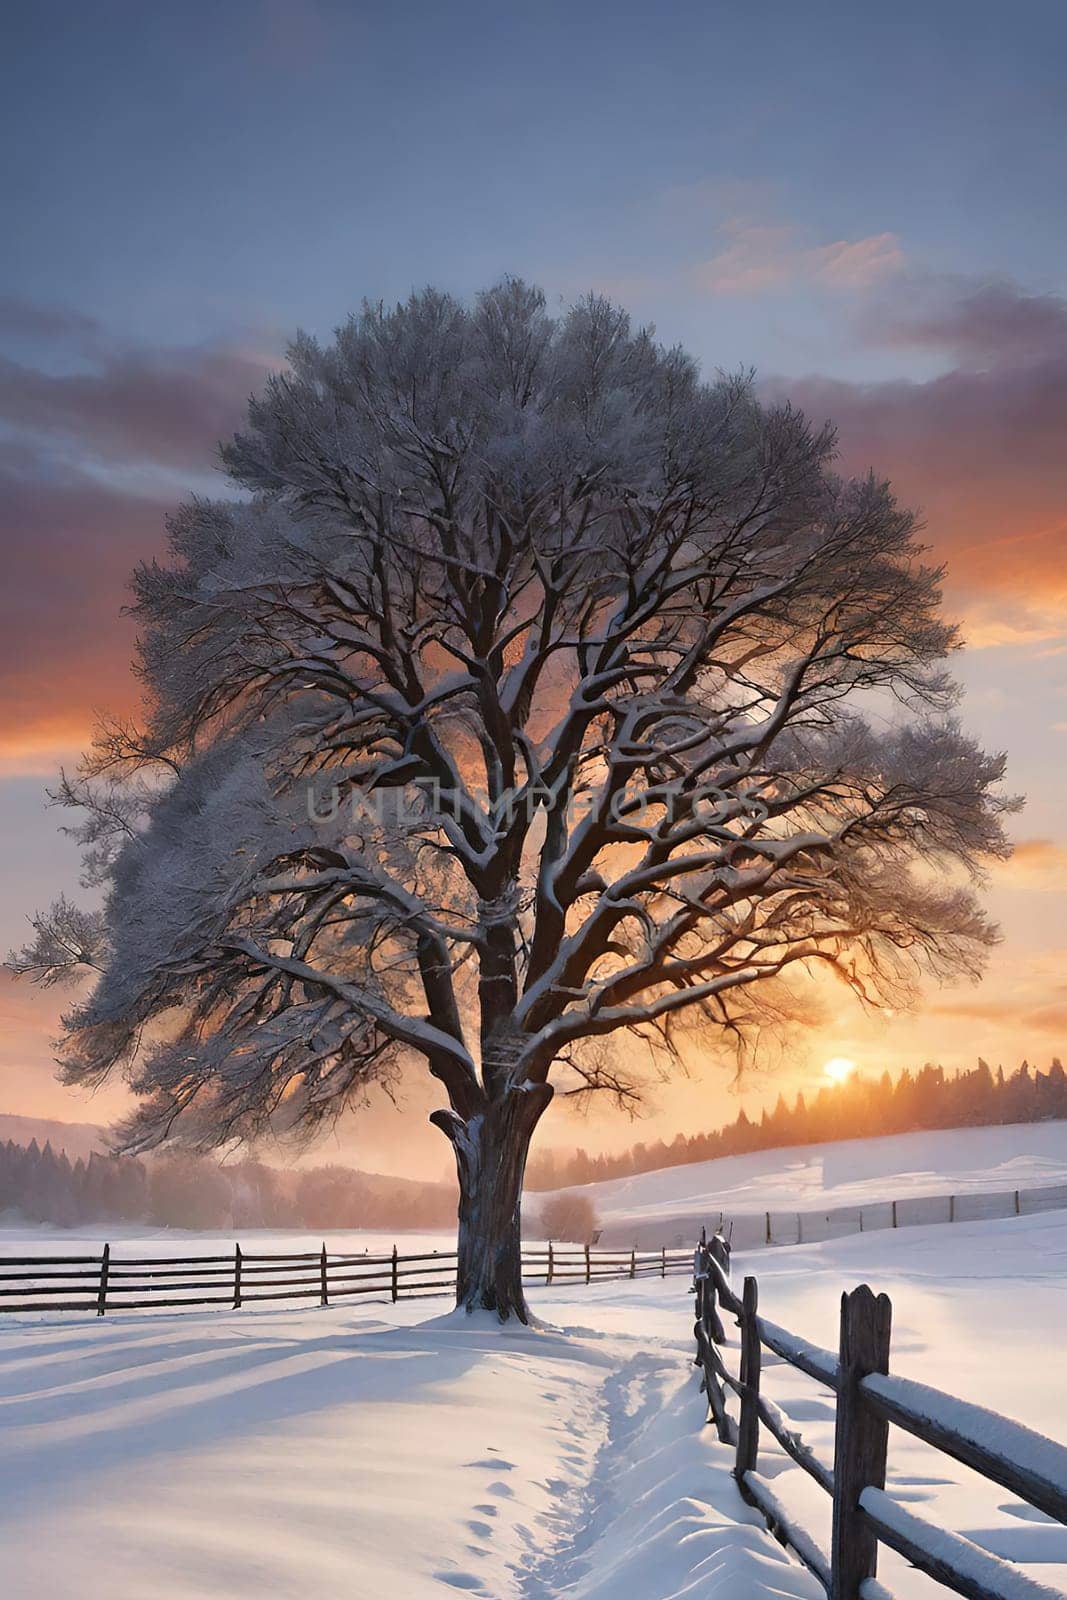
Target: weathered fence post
{"type": "Point", "coordinates": [894, 1213]}
{"type": "Point", "coordinates": [768, 1234]}
{"type": "Point", "coordinates": [396, 1277]}
{"type": "Point", "coordinates": [663, 1261]}
{"type": "Point", "coordinates": [860, 1439]}
{"type": "Point", "coordinates": [718, 1252]}
{"type": "Point", "coordinates": [952, 1208]}
{"type": "Point", "coordinates": [105, 1268]}
{"type": "Point", "coordinates": [706, 1327]}
{"type": "Point", "coordinates": [237, 1277]}
{"type": "Point", "coordinates": [324, 1296]}
{"type": "Point", "coordinates": [588, 1274]}
{"type": "Point", "coordinates": [751, 1363]}
{"type": "Point", "coordinates": [633, 1262]}
{"type": "Point", "coordinates": [551, 1263]}
{"type": "Point", "coordinates": [700, 1282]}
{"type": "Point", "coordinates": [1016, 1202]}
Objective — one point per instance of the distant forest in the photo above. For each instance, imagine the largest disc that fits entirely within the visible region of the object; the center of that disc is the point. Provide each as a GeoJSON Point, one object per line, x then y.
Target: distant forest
{"type": "Point", "coordinates": [860, 1108]}
{"type": "Point", "coordinates": [187, 1191]}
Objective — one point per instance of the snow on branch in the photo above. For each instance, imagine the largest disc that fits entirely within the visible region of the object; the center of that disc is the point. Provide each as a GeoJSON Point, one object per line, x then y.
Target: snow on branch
{"type": "Point", "coordinates": [523, 697]}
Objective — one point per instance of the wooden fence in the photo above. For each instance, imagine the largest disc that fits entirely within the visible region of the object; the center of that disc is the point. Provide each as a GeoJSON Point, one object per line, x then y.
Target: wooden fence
{"type": "Point", "coordinates": [107, 1282]}
{"type": "Point", "coordinates": [867, 1401]}
{"type": "Point", "coordinates": [751, 1230]}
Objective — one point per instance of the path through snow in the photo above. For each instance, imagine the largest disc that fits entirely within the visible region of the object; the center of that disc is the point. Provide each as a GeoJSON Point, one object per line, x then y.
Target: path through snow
{"type": "Point", "coordinates": [662, 1517]}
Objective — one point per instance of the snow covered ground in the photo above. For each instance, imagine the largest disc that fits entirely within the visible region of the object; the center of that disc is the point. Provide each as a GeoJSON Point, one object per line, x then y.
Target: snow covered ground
{"type": "Point", "coordinates": [673, 1203]}
{"type": "Point", "coordinates": [339, 1453]}
{"type": "Point", "coordinates": [979, 1311]}
{"type": "Point", "coordinates": [323, 1453]}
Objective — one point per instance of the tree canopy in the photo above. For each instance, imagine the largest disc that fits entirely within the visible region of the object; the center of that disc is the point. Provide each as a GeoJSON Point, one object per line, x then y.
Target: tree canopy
{"type": "Point", "coordinates": [529, 690]}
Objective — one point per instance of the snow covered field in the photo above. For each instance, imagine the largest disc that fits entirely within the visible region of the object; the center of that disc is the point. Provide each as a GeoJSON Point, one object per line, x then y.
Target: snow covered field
{"type": "Point", "coordinates": [323, 1453]}
{"type": "Point", "coordinates": [131, 1239]}
{"type": "Point", "coordinates": [339, 1453]}
{"type": "Point", "coordinates": [675, 1201]}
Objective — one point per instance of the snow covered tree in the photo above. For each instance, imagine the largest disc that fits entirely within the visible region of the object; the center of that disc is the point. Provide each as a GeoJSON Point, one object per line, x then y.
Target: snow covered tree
{"type": "Point", "coordinates": [517, 703]}
{"type": "Point", "coordinates": [568, 1218]}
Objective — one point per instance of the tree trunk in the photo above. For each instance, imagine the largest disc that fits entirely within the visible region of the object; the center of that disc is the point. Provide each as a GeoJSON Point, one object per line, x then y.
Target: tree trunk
{"type": "Point", "coordinates": [490, 1150]}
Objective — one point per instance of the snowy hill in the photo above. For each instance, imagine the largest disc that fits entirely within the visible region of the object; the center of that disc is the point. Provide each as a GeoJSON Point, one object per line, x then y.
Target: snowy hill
{"type": "Point", "coordinates": [817, 1178]}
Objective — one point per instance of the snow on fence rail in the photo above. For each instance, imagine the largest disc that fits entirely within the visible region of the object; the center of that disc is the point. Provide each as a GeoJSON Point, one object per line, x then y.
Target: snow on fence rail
{"type": "Point", "coordinates": [868, 1399]}
{"type": "Point", "coordinates": [107, 1282]}
{"type": "Point", "coordinates": [749, 1230]}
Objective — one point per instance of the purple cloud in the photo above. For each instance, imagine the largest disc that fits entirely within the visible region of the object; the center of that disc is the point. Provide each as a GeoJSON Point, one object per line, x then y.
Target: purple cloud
{"type": "Point", "coordinates": [120, 403]}
{"type": "Point", "coordinates": [993, 324]}
{"type": "Point", "coordinates": [31, 320]}
{"type": "Point", "coordinates": [167, 407]}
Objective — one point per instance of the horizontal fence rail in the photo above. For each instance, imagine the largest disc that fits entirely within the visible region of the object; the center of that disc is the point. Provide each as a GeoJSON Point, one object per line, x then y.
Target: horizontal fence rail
{"type": "Point", "coordinates": [867, 1400]}
{"type": "Point", "coordinates": [108, 1282]}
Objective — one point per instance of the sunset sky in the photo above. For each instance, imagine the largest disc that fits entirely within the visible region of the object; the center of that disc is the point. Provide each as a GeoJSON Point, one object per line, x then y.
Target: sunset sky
{"type": "Point", "coordinates": [866, 207]}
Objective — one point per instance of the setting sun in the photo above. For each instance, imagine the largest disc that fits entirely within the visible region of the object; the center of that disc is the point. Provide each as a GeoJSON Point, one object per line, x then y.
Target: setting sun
{"type": "Point", "coordinates": [839, 1069]}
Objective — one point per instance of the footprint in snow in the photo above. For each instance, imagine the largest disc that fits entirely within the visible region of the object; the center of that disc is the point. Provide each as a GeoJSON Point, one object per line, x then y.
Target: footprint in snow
{"type": "Point", "coordinates": [1025, 1513]}
{"type": "Point", "coordinates": [810, 1411]}
{"type": "Point", "coordinates": [460, 1580]}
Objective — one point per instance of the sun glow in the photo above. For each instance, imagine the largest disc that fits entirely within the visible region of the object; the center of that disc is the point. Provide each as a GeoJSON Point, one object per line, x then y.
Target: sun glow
{"type": "Point", "coordinates": [839, 1069]}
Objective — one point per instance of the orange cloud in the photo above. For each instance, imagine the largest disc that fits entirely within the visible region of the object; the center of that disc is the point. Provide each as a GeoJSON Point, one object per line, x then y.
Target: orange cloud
{"type": "Point", "coordinates": [857, 263]}
{"type": "Point", "coordinates": [979, 450]}
{"type": "Point", "coordinates": [1045, 1019]}
{"type": "Point", "coordinates": [29, 1021]}
{"type": "Point", "coordinates": [65, 648]}
{"type": "Point", "coordinates": [762, 256]}
{"type": "Point", "coordinates": [1035, 864]}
